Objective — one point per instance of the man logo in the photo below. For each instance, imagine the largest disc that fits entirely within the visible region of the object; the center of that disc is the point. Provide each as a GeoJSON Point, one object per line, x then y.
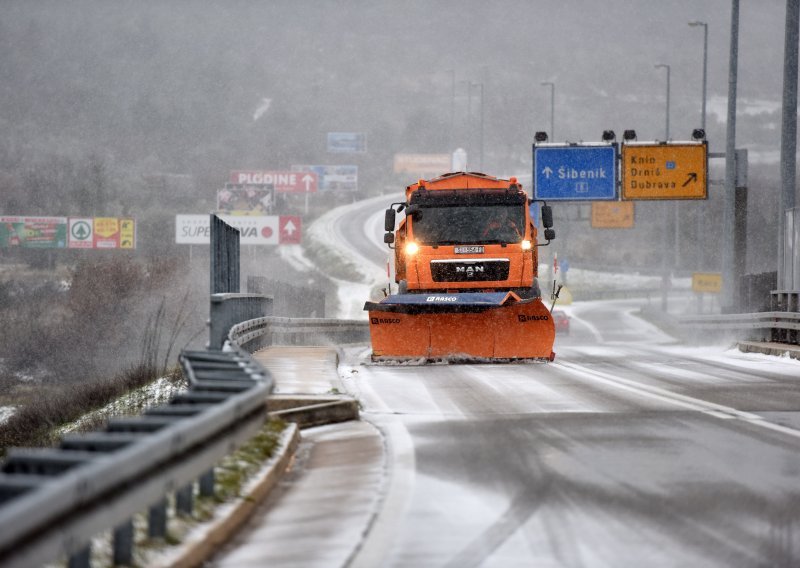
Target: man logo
{"type": "Point", "coordinates": [470, 270]}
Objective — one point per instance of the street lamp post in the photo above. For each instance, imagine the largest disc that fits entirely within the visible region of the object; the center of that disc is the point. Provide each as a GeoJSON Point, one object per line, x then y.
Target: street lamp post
{"type": "Point", "coordinates": [480, 133]}
{"type": "Point", "coordinates": [705, 69]}
{"type": "Point", "coordinates": [667, 67]}
{"type": "Point", "coordinates": [700, 224]}
{"type": "Point", "coordinates": [552, 108]}
{"type": "Point", "coordinates": [452, 108]}
{"type": "Point", "coordinates": [664, 251]}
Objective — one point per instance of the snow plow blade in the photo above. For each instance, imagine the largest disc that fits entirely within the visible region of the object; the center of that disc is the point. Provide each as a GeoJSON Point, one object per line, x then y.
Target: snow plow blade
{"type": "Point", "coordinates": [488, 326]}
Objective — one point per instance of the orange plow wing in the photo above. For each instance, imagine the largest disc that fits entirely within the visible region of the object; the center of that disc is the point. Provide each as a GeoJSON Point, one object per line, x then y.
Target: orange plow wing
{"type": "Point", "coordinates": [460, 326]}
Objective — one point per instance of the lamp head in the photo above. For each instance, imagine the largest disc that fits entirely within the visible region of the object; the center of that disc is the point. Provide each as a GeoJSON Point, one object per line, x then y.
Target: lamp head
{"type": "Point", "coordinates": [698, 134]}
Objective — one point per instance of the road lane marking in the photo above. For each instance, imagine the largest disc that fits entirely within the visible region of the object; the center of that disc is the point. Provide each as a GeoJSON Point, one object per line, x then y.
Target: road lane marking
{"type": "Point", "coordinates": [399, 477]}
{"type": "Point", "coordinates": [591, 327]}
{"type": "Point", "coordinates": [400, 468]}
{"type": "Point", "coordinates": [709, 408]}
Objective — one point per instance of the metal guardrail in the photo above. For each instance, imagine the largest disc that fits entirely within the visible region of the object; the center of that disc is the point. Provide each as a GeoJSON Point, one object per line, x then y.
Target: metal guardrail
{"type": "Point", "coordinates": [612, 294]}
{"type": "Point", "coordinates": [52, 501]}
{"type": "Point", "coordinates": [297, 331]}
{"type": "Point", "coordinates": [228, 310]}
{"type": "Point", "coordinates": [760, 320]}
{"type": "Point", "coordinates": [781, 327]}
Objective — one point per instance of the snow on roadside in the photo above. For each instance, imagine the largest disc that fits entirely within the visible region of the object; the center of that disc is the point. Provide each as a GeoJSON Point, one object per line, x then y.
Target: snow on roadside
{"type": "Point", "coordinates": [367, 276]}
{"type": "Point", "coordinates": [578, 278]}
{"type": "Point", "coordinates": [157, 392]}
{"type": "Point", "coordinates": [351, 295]}
{"type": "Point", "coordinates": [325, 231]}
{"type": "Point", "coordinates": [757, 360]}
{"type": "Point", "coordinates": [6, 412]}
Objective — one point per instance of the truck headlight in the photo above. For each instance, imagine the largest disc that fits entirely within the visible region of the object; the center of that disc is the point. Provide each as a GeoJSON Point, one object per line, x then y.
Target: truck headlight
{"type": "Point", "coordinates": [412, 248]}
{"type": "Point", "coordinates": [526, 245]}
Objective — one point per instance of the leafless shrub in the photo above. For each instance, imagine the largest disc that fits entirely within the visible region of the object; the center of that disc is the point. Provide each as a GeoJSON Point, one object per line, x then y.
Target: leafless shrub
{"type": "Point", "coordinates": [37, 423]}
{"type": "Point", "coordinates": [117, 314]}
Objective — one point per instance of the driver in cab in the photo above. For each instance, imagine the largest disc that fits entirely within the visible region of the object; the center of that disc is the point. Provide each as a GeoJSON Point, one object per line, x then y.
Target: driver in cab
{"type": "Point", "coordinates": [501, 227]}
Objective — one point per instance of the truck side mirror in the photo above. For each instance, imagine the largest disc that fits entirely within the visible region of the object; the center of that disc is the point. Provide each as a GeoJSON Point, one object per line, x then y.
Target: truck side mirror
{"type": "Point", "coordinates": [388, 238]}
{"type": "Point", "coordinates": [547, 217]}
{"type": "Point", "coordinates": [388, 221]}
{"type": "Point", "coordinates": [549, 234]}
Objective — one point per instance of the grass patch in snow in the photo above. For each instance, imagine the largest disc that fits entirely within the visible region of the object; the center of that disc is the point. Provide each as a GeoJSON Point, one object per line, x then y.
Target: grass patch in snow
{"type": "Point", "coordinates": [234, 470]}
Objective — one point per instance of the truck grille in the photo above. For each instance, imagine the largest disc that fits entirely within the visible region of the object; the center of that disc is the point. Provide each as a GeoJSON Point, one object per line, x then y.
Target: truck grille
{"type": "Point", "coordinates": [469, 270]}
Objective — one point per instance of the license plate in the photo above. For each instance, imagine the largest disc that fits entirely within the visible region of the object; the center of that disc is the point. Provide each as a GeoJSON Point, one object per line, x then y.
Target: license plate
{"type": "Point", "coordinates": [469, 250]}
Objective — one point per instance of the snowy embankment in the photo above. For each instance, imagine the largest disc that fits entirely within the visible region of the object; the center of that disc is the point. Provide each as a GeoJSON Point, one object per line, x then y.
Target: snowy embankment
{"type": "Point", "coordinates": [135, 402]}
{"type": "Point", "coordinates": [326, 237]}
{"type": "Point", "coordinates": [5, 413]}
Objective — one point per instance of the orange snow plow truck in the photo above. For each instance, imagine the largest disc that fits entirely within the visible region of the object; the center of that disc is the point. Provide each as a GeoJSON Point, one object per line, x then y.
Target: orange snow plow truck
{"type": "Point", "coordinates": [466, 266]}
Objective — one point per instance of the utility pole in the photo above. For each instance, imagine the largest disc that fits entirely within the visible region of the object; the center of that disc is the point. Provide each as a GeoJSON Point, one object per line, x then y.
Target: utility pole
{"type": "Point", "coordinates": [786, 268]}
{"type": "Point", "coordinates": [729, 207]}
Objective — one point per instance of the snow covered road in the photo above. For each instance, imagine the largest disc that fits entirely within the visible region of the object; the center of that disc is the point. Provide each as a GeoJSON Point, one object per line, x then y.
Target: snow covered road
{"type": "Point", "coordinates": [629, 450]}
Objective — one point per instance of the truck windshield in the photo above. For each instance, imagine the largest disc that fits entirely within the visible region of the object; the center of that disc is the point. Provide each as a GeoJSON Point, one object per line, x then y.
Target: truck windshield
{"type": "Point", "coordinates": [473, 224]}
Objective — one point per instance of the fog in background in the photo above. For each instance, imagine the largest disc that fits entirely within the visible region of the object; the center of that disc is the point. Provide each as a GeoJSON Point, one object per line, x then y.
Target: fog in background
{"type": "Point", "coordinates": [136, 88]}
{"type": "Point", "coordinates": [142, 108]}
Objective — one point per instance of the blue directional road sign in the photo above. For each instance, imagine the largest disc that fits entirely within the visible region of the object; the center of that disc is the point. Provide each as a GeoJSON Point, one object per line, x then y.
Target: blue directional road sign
{"type": "Point", "coordinates": [347, 142]}
{"type": "Point", "coordinates": [575, 173]}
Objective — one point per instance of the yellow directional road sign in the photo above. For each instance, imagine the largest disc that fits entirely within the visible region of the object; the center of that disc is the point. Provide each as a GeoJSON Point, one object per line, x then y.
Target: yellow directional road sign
{"type": "Point", "coordinates": [674, 170]}
{"type": "Point", "coordinates": [127, 234]}
{"type": "Point", "coordinates": [707, 282]}
{"type": "Point", "coordinates": [612, 215]}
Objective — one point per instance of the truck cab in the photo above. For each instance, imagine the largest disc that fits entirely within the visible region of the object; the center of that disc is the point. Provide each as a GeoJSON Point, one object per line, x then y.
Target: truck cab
{"type": "Point", "coordinates": [466, 232]}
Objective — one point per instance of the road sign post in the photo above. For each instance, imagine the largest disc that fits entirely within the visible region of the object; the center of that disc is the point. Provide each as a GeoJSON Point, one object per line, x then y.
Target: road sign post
{"type": "Point", "coordinates": [573, 172]}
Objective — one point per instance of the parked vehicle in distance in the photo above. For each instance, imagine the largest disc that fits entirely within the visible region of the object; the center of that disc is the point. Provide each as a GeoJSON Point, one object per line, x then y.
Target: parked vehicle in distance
{"type": "Point", "coordinates": [561, 321]}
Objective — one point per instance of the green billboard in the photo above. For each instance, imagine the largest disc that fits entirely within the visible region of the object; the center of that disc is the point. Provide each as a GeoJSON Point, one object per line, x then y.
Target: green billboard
{"type": "Point", "coordinates": [33, 232]}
